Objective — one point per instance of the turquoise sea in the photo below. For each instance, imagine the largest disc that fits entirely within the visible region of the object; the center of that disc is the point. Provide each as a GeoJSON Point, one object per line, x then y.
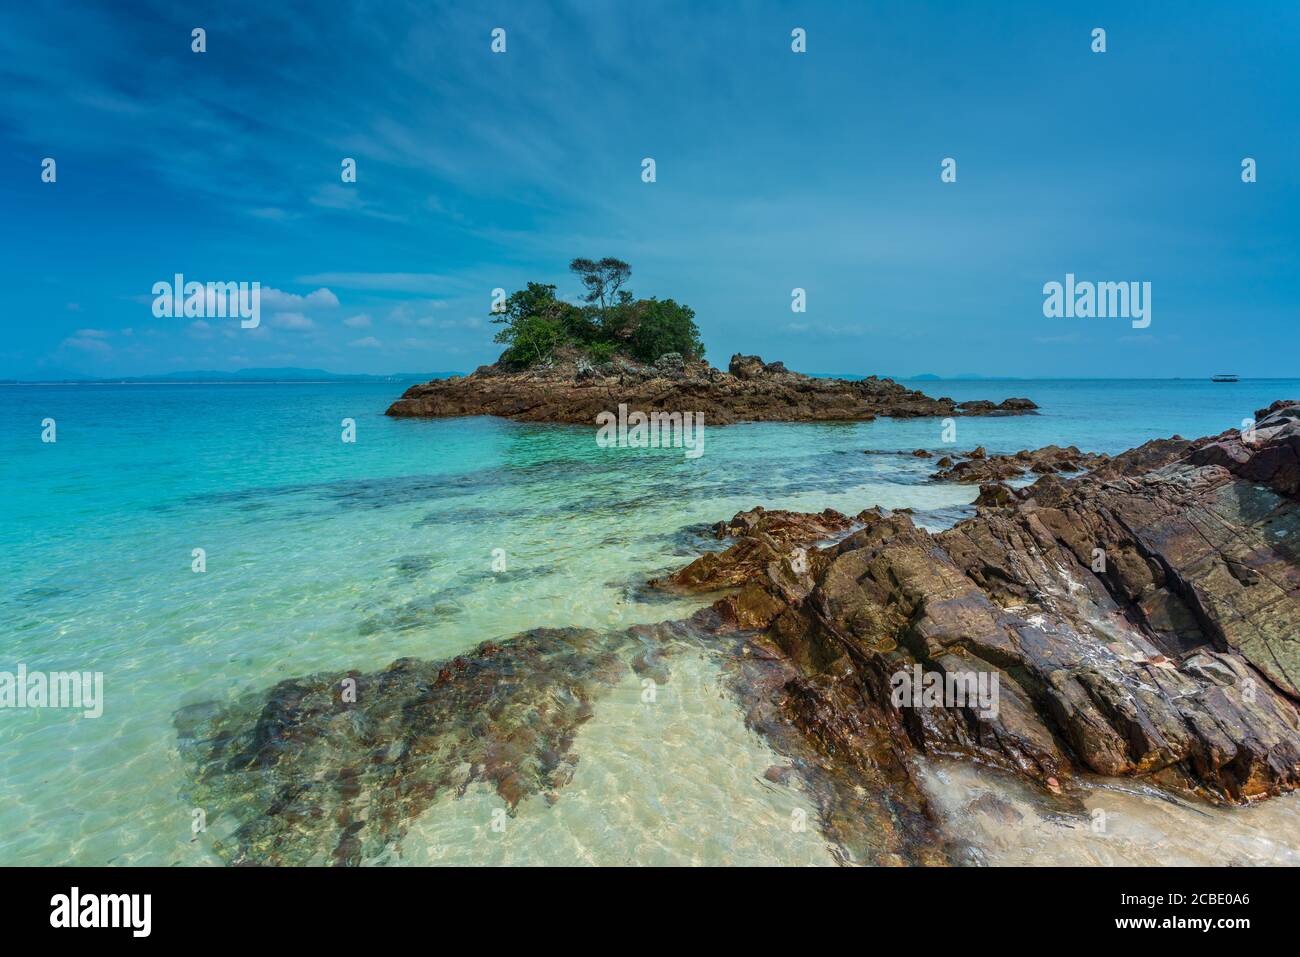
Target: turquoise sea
{"type": "Point", "coordinates": [326, 555]}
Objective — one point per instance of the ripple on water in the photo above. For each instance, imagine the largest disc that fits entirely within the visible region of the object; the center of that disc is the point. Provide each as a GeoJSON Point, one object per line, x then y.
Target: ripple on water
{"type": "Point", "coordinates": [1107, 822]}
{"type": "Point", "coordinates": [310, 543]}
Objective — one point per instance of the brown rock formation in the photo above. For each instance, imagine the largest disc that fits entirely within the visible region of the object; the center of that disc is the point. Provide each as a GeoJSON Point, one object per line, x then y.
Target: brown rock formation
{"type": "Point", "coordinates": [979, 467]}
{"type": "Point", "coordinates": [571, 389]}
{"type": "Point", "coordinates": [765, 537]}
{"type": "Point", "coordinates": [1139, 622]}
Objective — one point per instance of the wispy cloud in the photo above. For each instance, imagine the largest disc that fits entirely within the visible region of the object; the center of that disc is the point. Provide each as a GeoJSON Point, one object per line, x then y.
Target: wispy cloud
{"type": "Point", "coordinates": [88, 344]}
{"type": "Point", "coordinates": [278, 299]}
{"type": "Point", "coordinates": [478, 171]}
{"type": "Point", "coordinates": [292, 320]}
{"type": "Point", "coordinates": [381, 281]}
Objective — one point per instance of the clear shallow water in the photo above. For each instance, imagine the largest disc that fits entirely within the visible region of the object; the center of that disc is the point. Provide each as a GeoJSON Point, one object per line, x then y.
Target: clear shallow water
{"type": "Point", "coordinates": [326, 556]}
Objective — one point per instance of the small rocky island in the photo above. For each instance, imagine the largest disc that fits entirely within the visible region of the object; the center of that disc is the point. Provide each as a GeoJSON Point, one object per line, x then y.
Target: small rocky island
{"type": "Point", "coordinates": [565, 362]}
{"type": "Point", "coordinates": [569, 388]}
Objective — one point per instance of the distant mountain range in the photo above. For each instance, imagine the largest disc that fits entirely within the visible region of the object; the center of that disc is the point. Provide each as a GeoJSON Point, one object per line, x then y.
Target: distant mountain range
{"type": "Point", "coordinates": [251, 375]}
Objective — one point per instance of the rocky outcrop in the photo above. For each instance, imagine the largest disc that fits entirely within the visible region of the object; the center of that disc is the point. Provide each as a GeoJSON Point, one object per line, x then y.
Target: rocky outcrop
{"type": "Point", "coordinates": [571, 389]}
{"type": "Point", "coordinates": [1137, 621]}
{"type": "Point", "coordinates": [764, 538]}
{"type": "Point", "coordinates": [1268, 454]}
{"type": "Point", "coordinates": [978, 467]}
{"type": "Point", "coordinates": [1147, 457]}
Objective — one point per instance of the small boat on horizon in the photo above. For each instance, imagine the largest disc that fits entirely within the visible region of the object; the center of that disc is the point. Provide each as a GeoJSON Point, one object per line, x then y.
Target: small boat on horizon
{"type": "Point", "coordinates": [1223, 377]}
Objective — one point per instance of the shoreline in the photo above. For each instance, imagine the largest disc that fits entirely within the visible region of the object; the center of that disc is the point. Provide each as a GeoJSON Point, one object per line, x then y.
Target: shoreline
{"type": "Point", "coordinates": [817, 611]}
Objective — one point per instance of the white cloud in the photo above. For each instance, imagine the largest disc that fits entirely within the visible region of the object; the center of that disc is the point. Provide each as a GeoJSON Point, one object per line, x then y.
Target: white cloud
{"type": "Point", "coordinates": [357, 322]}
{"type": "Point", "coordinates": [387, 281]}
{"type": "Point", "coordinates": [825, 329]}
{"type": "Point", "coordinates": [87, 344]}
{"type": "Point", "coordinates": [291, 320]}
{"type": "Point", "coordinates": [93, 333]}
{"type": "Point", "coordinates": [278, 299]}
{"type": "Point", "coordinates": [273, 213]}
{"type": "Point", "coordinates": [418, 315]}
{"type": "Point", "coordinates": [338, 197]}
{"type": "Point", "coordinates": [369, 342]}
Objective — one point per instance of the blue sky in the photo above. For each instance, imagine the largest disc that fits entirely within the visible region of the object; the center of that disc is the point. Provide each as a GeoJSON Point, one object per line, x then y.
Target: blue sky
{"type": "Point", "coordinates": [775, 170]}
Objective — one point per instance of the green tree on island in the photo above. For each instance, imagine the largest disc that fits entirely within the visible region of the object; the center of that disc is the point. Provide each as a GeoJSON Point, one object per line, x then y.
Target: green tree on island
{"type": "Point", "coordinates": [610, 323]}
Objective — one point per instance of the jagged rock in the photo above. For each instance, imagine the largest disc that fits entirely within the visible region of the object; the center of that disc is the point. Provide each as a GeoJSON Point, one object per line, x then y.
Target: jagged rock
{"type": "Point", "coordinates": [765, 537]}
{"type": "Point", "coordinates": [1146, 457]}
{"type": "Point", "coordinates": [1270, 454]}
{"type": "Point", "coordinates": [1017, 405]}
{"type": "Point", "coordinates": [670, 363]}
{"type": "Point", "coordinates": [983, 468]}
{"type": "Point", "coordinates": [1139, 622]}
{"type": "Point", "coordinates": [1289, 410]}
{"type": "Point", "coordinates": [745, 367]}
{"type": "Point", "coordinates": [786, 527]}
{"type": "Point", "coordinates": [985, 407]}
{"type": "Point", "coordinates": [562, 390]}
{"type": "Point", "coordinates": [994, 495]}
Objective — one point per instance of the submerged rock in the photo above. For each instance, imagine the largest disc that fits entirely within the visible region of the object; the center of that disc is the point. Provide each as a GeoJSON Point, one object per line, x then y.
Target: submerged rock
{"type": "Point", "coordinates": [981, 468]}
{"type": "Point", "coordinates": [329, 769]}
{"type": "Point", "coordinates": [570, 389]}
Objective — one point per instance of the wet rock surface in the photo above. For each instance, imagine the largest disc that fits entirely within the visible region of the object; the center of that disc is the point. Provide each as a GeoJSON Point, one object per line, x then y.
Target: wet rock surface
{"type": "Point", "coordinates": [765, 537]}
{"type": "Point", "coordinates": [1140, 622]}
{"type": "Point", "coordinates": [571, 389]}
{"type": "Point", "coordinates": [977, 467]}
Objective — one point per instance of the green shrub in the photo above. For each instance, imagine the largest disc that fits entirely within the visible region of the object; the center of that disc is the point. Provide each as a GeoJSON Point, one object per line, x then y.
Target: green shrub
{"type": "Point", "coordinates": [664, 327]}
{"type": "Point", "coordinates": [536, 323]}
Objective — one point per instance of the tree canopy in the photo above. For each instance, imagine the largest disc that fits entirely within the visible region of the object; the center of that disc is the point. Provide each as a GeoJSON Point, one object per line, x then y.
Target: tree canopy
{"type": "Point", "coordinates": [610, 322]}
